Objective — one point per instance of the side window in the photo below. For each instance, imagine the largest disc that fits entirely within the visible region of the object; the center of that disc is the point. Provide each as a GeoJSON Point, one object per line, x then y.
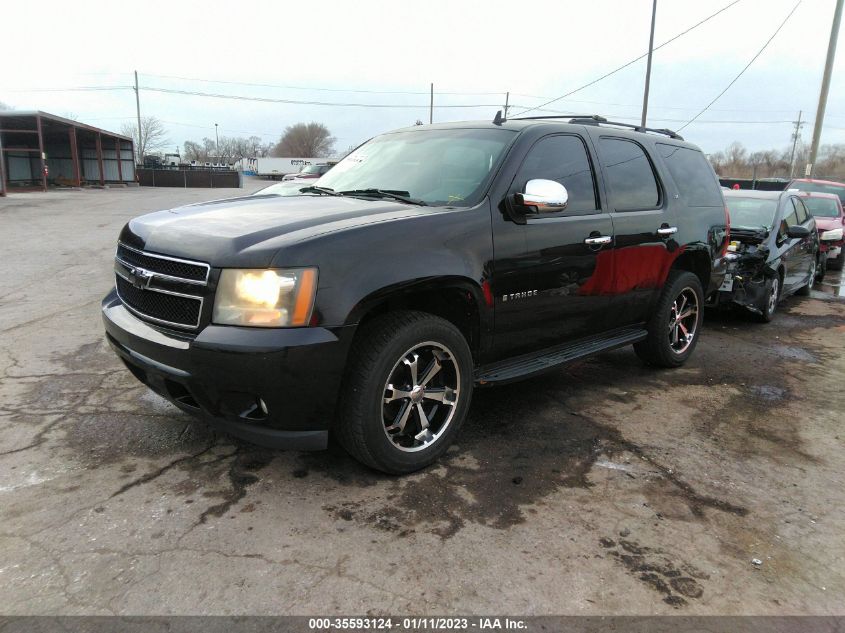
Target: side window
{"type": "Point", "coordinates": [564, 159]}
{"type": "Point", "coordinates": [801, 210]}
{"type": "Point", "coordinates": [792, 217]}
{"type": "Point", "coordinates": [630, 177]}
{"type": "Point", "coordinates": [693, 175]}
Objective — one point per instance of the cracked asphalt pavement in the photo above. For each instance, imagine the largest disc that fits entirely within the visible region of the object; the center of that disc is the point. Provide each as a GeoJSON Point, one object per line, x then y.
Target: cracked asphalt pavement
{"type": "Point", "coordinates": [601, 488]}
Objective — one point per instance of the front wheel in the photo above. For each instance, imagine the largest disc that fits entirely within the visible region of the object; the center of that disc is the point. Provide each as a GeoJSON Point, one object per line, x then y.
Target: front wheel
{"type": "Point", "coordinates": [821, 268]}
{"type": "Point", "coordinates": [406, 392]}
{"type": "Point", "coordinates": [675, 325]}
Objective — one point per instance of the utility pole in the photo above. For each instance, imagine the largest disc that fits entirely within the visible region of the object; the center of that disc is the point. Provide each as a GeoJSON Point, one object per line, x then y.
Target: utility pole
{"type": "Point", "coordinates": [507, 98]}
{"type": "Point", "coordinates": [795, 136]}
{"type": "Point", "coordinates": [217, 143]}
{"type": "Point", "coordinates": [648, 64]}
{"type": "Point", "coordinates": [431, 106]}
{"type": "Point", "coordinates": [140, 158]}
{"type": "Point", "coordinates": [828, 69]}
{"type": "Point", "coordinates": [2, 170]}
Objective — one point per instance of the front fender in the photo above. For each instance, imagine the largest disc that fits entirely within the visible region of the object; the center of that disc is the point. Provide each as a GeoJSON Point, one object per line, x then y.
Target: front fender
{"type": "Point", "coordinates": [362, 266]}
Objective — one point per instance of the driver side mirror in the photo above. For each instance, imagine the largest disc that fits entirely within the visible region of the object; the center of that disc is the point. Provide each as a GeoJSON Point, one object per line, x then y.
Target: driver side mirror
{"type": "Point", "coordinates": [543, 196]}
{"type": "Point", "coordinates": [797, 231]}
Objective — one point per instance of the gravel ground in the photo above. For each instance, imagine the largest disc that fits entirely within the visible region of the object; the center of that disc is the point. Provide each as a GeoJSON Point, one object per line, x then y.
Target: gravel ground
{"type": "Point", "coordinates": [601, 488]}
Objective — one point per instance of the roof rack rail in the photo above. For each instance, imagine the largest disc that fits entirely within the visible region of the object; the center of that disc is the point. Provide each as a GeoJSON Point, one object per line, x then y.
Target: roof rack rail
{"type": "Point", "coordinates": [594, 119]}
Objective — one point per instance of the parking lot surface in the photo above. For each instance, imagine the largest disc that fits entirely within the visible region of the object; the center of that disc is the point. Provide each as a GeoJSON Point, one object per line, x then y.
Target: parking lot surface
{"type": "Point", "coordinates": [605, 487]}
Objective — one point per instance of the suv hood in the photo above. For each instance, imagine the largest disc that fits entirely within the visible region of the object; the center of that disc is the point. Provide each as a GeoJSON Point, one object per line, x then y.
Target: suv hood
{"type": "Point", "coordinates": [248, 232]}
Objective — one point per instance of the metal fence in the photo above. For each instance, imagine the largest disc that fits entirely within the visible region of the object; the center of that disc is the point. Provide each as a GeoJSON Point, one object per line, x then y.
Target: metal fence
{"type": "Point", "coordinates": [204, 178]}
{"type": "Point", "coordinates": [759, 185]}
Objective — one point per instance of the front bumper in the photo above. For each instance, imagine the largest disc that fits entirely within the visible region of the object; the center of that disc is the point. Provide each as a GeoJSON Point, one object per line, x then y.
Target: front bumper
{"type": "Point", "coordinates": [226, 373]}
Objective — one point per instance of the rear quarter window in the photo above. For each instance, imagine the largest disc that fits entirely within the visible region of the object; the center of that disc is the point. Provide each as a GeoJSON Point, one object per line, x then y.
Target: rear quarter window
{"type": "Point", "coordinates": [696, 182]}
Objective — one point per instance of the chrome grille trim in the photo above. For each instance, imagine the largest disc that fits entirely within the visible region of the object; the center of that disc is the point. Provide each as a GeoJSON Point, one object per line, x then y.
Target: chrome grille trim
{"type": "Point", "coordinates": [181, 280]}
{"type": "Point", "coordinates": [168, 258]}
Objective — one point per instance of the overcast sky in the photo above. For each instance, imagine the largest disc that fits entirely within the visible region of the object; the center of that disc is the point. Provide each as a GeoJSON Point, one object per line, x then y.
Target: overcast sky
{"type": "Point", "coordinates": [324, 51]}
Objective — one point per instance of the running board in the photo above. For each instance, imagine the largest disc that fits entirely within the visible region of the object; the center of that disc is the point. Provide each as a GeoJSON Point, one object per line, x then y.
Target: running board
{"type": "Point", "coordinates": [520, 367]}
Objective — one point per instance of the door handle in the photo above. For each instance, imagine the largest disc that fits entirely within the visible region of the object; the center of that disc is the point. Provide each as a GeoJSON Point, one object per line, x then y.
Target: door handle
{"type": "Point", "coordinates": [667, 230]}
{"type": "Point", "coordinates": [598, 241]}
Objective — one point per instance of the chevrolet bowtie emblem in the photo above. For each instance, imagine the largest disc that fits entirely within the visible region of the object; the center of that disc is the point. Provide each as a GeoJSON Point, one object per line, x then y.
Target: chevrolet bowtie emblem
{"type": "Point", "coordinates": [140, 278]}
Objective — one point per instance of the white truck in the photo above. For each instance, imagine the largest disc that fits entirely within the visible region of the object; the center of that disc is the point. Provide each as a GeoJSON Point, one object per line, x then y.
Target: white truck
{"type": "Point", "coordinates": [277, 168]}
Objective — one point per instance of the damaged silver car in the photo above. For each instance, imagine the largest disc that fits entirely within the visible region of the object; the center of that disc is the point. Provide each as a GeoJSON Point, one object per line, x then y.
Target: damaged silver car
{"type": "Point", "coordinates": [773, 252]}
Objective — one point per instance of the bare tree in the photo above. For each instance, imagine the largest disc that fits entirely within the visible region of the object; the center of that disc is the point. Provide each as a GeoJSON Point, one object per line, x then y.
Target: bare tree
{"type": "Point", "coordinates": [5, 106]}
{"type": "Point", "coordinates": [193, 151]}
{"type": "Point", "coordinates": [736, 162]}
{"type": "Point", "coordinates": [259, 149]}
{"type": "Point", "coordinates": [153, 136]}
{"type": "Point", "coordinates": [305, 139]}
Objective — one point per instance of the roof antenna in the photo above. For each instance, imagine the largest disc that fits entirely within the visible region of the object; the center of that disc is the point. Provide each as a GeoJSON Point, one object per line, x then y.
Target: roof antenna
{"type": "Point", "coordinates": [498, 119]}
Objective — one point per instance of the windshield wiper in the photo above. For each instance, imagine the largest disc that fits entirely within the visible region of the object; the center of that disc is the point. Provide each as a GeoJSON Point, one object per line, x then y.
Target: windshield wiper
{"type": "Point", "coordinates": [401, 196]}
{"type": "Point", "coordinates": [321, 190]}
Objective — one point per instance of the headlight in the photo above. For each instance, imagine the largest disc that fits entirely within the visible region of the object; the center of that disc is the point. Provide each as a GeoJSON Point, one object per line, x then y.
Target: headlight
{"type": "Point", "coordinates": [832, 235]}
{"type": "Point", "coordinates": [265, 298]}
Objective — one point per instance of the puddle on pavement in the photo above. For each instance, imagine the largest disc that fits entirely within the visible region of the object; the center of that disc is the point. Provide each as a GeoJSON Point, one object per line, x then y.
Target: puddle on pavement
{"type": "Point", "coordinates": [520, 444]}
{"type": "Point", "coordinates": [678, 582]}
{"type": "Point", "coordinates": [831, 285]}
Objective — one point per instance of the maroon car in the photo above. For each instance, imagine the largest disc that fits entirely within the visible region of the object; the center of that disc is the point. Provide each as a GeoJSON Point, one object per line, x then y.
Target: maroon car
{"type": "Point", "coordinates": [819, 186]}
{"type": "Point", "coordinates": [827, 209]}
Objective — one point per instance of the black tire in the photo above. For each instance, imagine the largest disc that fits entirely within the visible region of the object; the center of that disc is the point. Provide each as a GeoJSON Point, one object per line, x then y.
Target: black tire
{"type": "Point", "coordinates": [378, 352]}
{"type": "Point", "coordinates": [658, 349]}
{"type": "Point", "coordinates": [804, 291]}
{"type": "Point", "coordinates": [821, 268]}
{"type": "Point", "coordinates": [836, 263]}
{"type": "Point", "coordinates": [769, 304]}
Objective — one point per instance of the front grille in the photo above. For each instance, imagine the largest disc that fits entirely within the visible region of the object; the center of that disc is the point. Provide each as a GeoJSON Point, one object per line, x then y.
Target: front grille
{"type": "Point", "coordinates": [159, 288]}
{"type": "Point", "coordinates": [172, 267]}
{"type": "Point", "coordinates": [157, 306]}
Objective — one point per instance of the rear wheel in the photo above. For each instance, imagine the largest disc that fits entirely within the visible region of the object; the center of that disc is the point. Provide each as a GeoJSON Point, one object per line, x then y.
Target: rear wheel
{"type": "Point", "coordinates": [406, 392]}
{"type": "Point", "coordinates": [674, 327]}
{"type": "Point", "coordinates": [836, 263]}
{"type": "Point", "coordinates": [804, 290]}
{"type": "Point", "coordinates": [770, 299]}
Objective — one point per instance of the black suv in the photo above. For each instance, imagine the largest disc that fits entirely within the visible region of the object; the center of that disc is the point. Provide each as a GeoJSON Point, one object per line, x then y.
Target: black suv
{"type": "Point", "coordinates": [429, 261]}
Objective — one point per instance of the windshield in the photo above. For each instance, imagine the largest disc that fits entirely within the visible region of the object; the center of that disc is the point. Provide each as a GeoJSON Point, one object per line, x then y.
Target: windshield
{"type": "Point", "coordinates": [839, 190]}
{"type": "Point", "coordinates": [311, 169]}
{"type": "Point", "coordinates": [440, 167]}
{"type": "Point", "coordinates": [822, 207]}
{"type": "Point", "coordinates": [751, 213]}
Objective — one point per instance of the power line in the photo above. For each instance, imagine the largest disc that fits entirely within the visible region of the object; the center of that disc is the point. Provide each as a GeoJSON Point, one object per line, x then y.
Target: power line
{"type": "Point", "coordinates": [314, 103]}
{"type": "Point", "coordinates": [318, 89]}
{"type": "Point", "coordinates": [75, 89]}
{"type": "Point", "coordinates": [529, 108]}
{"type": "Point", "coordinates": [667, 120]}
{"type": "Point", "coordinates": [753, 59]}
{"type": "Point", "coordinates": [633, 61]}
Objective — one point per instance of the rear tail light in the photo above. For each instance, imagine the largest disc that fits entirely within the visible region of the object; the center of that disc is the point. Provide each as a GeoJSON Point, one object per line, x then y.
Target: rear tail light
{"type": "Point", "coordinates": [727, 241]}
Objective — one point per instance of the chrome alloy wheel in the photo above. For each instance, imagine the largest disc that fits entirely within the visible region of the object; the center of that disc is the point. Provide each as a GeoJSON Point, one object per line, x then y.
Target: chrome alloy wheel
{"type": "Point", "coordinates": [812, 281]}
{"type": "Point", "coordinates": [421, 396]}
{"type": "Point", "coordinates": [773, 295]}
{"type": "Point", "coordinates": [683, 320]}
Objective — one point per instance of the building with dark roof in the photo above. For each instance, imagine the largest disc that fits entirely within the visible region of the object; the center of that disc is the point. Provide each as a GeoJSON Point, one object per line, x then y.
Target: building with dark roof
{"type": "Point", "coordinates": [38, 149]}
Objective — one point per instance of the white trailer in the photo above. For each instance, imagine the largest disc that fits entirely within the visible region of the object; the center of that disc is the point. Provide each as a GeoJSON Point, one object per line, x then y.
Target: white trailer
{"type": "Point", "coordinates": [276, 168]}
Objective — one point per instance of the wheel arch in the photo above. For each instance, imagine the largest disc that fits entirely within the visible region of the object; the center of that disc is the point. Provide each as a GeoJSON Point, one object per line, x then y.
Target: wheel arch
{"type": "Point", "coordinates": [459, 300]}
{"type": "Point", "coordinates": [696, 261]}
